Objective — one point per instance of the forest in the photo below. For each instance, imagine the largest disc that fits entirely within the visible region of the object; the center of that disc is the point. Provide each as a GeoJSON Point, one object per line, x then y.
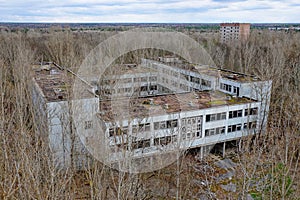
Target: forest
{"type": "Point", "coordinates": [267, 165]}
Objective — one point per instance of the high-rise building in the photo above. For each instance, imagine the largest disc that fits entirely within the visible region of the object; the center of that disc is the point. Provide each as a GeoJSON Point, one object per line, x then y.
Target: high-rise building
{"type": "Point", "coordinates": [234, 31]}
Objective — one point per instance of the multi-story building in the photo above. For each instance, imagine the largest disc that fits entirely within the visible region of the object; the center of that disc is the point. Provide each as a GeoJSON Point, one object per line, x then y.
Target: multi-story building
{"type": "Point", "coordinates": [170, 105]}
{"type": "Point", "coordinates": [234, 31]}
{"type": "Point", "coordinates": [53, 113]}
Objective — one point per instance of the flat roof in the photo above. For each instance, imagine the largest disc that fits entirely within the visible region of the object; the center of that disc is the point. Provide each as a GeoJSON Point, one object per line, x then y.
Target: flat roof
{"type": "Point", "coordinates": [211, 71]}
{"type": "Point", "coordinates": [55, 82]}
{"type": "Point", "coordinates": [143, 107]}
{"type": "Point", "coordinates": [119, 70]}
{"type": "Point", "coordinates": [234, 24]}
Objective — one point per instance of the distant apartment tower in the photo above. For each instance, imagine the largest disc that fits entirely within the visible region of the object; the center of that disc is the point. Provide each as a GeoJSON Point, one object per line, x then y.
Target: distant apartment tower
{"type": "Point", "coordinates": [234, 31]}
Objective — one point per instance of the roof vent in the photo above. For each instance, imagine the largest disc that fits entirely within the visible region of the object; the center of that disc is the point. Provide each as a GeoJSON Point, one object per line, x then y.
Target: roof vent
{"type": "Point", "coordinates": [228, 98]}
{"type": "Point", "coordinates": [57, 90]}
{"type": "Point", "coordinates": [45, 67]}
{"type": "Point", "coordinates": [151, 101]}
{"type": "Point", "coordinates": [131, 65]}
{"type": "Point", "coordinates": [53, 71]}
{"type": "Point", "coordinates": [169, 59]}
{"type": "Point", "coordinates": [166, 106]}
{"type": "Point", "coordinates": [95, 89]}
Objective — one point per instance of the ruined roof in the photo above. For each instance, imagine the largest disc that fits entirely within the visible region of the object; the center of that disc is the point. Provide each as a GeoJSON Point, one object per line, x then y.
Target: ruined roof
{"type": "Point", "coordinates": [165, 104]}
{"type": "Point", "coordinates": [56, 83]}
{"type": "Point", "coordinates": [119, 70]}
{"type": "Point", "coordinates": [212, 71]}
{"type": "Point", "coordinates": [53, 81]}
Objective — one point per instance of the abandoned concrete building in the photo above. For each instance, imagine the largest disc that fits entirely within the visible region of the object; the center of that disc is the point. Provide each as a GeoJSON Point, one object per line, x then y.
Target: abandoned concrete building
{"type": "Point", "coordinates": [230, 32]}
{"type": "Point", "coordinates": [173, 104]}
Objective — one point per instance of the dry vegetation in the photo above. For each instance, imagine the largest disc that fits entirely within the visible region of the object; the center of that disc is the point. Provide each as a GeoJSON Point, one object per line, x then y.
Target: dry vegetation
{"type": "Point", "coordinates": [267, 164]}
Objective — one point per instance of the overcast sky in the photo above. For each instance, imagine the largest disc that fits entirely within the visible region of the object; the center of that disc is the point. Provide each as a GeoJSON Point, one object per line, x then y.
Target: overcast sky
{"type": "Point", "coordinates": [189, 11]}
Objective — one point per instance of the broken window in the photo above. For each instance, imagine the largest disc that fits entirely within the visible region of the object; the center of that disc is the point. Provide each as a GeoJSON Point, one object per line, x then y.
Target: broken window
{"type": "Point", "coordinates": [235, 113]}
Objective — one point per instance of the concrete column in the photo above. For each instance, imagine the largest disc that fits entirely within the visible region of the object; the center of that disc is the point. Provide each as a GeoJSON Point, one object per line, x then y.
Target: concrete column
{"type": "Point", "coordinates": [224, 147]}
{"type": "Point", "coordinates": [151, 131]}
{"type": "Point", "coordinates": [240, 144]}
{"type": "Point", "coordinates": [201, 152]}
{"type": "Point", "coordinates": [203, 126]}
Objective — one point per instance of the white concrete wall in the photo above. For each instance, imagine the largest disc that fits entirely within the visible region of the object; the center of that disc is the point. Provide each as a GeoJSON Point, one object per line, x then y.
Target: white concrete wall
{"type": "Point", "coordinates": [192, 142]}
{"type": "Point", "coordinates": [39, 102]}
{"type": "Point", "coordinates": [59, 132]}
{"type": "Point", "coordinates": [182, 77]}
{"type": "Point", "coordinates": [256, 90]}
{"type": "Point", "coordinates": [133, 84]}
{"type": "Point", "coordinates": [62, 139]}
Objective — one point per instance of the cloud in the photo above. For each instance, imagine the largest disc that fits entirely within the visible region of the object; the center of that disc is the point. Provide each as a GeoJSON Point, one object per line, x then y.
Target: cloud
{"type": "Point", "coordinates": [149, 11]}
{"type": "Point", "coordinates": [228, 1]}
